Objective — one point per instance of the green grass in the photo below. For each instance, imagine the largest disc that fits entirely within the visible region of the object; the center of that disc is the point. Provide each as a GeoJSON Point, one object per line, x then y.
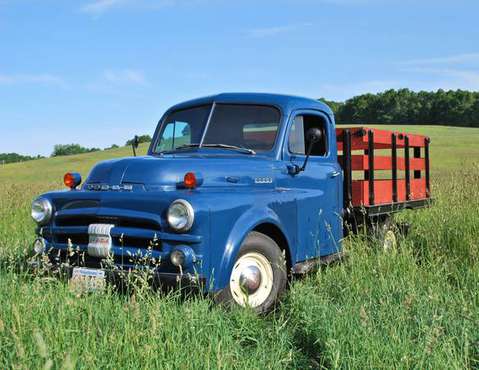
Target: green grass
{"type": "Point", "coordinates": [417, 307]}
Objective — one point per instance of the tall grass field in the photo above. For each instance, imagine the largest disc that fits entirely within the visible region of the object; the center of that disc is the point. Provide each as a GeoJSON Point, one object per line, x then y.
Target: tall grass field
{"type": "Point", "coordinates": [413, 307]}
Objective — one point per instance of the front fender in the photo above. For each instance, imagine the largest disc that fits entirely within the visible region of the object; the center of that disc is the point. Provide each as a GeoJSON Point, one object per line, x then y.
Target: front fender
{"type": "Point", "coordinates": [243, 226]}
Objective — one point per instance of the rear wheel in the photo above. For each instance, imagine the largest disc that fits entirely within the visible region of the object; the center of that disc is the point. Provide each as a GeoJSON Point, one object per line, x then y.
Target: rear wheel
{"type": "Point", "coordinates": [389, 240]}
{"type": "Point", "coordinates": [385, 231]}
{"type": "Point", "coordinates": [258, 276]}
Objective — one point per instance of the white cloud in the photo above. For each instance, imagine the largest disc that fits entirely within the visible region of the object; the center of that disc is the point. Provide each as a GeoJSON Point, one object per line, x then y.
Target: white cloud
{"type": "Point", "coordinates": [43, 78]}
{"type": "Point", "coordinates": [128, 76]}
{"type": "Point", "coordinates": [273, 31]}
{"type": "Point", "coordinates": [451, 59]}
{"type": "Point", "coordinates": [346, 2]}
{"type": "Point", "coordinates": [420, 78]}
{"type": "Point", "coordinates": [459, 71]}
{"type": "Point", "coordinates": [98, 7]}
{"type": "Point", "coordinates": [449, 78]}
{"type": "Point", "coordinates": [343, 91]}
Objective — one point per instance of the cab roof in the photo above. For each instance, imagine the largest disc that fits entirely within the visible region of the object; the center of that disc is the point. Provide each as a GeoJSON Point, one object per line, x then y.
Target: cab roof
{"type": "Point", "coordinates": [286, 103]}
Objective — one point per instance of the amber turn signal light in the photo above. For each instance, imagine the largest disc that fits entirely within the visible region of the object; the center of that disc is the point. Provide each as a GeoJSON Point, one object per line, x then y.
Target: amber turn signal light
{"type": "Point", "coordinates": [72, 179]}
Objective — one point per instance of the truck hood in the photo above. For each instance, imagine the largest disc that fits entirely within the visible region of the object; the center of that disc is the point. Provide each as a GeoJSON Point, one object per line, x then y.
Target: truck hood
{"type": "Point", "coordinates": [163, 173]}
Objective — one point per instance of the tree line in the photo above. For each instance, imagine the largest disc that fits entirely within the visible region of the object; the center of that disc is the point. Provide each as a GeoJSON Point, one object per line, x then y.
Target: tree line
{"type": "Point", "coordinates": [70, 149]}
{"type": "Point", "coordinates": [15, 157]}
{"type": "Point", "coordinates": [403, 106]}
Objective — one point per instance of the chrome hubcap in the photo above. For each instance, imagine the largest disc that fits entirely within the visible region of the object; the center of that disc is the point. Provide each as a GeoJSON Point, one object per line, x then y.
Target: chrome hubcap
{"type": "Point", "coordinates": [250, 279]}
{"type": "Point", "coordinates": [390, 241]}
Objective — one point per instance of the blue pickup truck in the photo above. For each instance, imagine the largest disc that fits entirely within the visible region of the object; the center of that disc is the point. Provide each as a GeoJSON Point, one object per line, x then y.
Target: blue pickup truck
{"type": "Point", "coordinates": [237, 193]}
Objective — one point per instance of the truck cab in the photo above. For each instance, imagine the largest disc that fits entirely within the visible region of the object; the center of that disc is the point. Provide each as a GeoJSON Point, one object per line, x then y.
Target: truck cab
{"type": "Point", "coordinates": [236, 192]}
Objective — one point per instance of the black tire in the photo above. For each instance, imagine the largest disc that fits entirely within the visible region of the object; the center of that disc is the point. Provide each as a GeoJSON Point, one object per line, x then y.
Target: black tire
{"type": "Point", "coordinates": [259, 243]}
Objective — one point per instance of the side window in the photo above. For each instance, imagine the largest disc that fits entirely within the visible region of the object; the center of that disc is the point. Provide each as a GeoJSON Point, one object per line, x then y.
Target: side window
{"type": "Point", "coordinates": [174, 134]}
{"type": "Point", "coordinates": [297, 139]}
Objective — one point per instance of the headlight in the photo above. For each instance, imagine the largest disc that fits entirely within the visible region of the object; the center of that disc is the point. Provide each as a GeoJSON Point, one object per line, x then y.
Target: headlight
{"type": "Point", "coordinates": [42, 210]}
{"type": "Point", "coordinates": [180, 215]}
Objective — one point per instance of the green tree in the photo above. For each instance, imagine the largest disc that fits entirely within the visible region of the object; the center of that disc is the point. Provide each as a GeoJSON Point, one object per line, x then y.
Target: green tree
{"type": "Point", "coordinates": [456, 108]}
{"type": "Point", "coordinates": [70, 149]}
{"type": "Point", "coordinates": [141, 139]}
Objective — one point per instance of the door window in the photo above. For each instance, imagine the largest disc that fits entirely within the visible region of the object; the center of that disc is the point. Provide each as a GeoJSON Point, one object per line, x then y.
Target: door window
{"type": "Point", "coordinates": [298, 140]}
{"type": "Point", "coordinates": [175, 134]}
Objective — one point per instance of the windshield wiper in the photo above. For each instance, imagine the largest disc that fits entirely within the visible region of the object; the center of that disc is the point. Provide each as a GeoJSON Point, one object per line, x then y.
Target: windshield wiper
{"type": "Point", "coordinates": [181, 147]}
{"type": "Point", "coordinates": [226, 146]}
{"type": "Point", "coordinates": [222, 146]}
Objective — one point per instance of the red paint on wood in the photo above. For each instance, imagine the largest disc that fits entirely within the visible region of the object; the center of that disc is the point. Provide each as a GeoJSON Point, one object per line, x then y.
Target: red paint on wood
{"type": "Point", "coordinates": [383, 188]}
{"type": "Point", "coordinates": [382, 138]}
{"type": "Point", "coordinates": [383, 191]}
{"type": "Point", "coordinates": [361, 163]}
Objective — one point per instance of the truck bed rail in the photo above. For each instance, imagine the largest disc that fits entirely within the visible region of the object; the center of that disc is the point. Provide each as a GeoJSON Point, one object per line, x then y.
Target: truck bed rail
{"type": "Point", "coordinates": [387, 181]}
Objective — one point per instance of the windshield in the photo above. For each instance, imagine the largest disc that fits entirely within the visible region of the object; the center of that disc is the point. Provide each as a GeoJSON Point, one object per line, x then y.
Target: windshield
{"type": "Point", "coordinates": [229, 126]}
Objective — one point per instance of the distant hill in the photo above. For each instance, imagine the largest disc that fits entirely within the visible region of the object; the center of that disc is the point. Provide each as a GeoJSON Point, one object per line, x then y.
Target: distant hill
{"type": "Point", "coordinates": [59, 150]}
{"type": "Point", "coordinates": [55, 167]}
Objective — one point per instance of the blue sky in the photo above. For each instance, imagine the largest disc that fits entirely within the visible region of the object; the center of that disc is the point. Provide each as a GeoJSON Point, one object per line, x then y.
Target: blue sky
{"type": "Point", "coordinates": [96, 72]}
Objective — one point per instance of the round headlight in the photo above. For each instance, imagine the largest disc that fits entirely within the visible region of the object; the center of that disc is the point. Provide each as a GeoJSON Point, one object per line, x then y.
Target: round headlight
{"type": "Point", "coordinates": [41, 210]}
{"type": "Point", "coordinates": [180, 215]}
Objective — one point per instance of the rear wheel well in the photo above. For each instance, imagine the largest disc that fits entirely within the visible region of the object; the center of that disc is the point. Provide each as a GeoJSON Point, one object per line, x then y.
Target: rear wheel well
{"type": "Point", "coordinates": [275, 233]}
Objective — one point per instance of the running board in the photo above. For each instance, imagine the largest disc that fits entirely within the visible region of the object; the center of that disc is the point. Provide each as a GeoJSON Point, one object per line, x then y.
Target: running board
{"type": "Point", "coordinates": [304, 267]}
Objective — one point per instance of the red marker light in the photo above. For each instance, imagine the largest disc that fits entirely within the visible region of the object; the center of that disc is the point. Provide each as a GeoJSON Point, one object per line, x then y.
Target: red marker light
{"type": "Point", "coordinates": [190, 180]}
{"type": "Point", "coordinates": [72, 180]}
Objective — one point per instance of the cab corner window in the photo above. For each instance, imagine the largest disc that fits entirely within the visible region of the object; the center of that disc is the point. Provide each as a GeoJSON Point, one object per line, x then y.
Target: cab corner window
{"type": "Point", "coordinates": [297, 139]}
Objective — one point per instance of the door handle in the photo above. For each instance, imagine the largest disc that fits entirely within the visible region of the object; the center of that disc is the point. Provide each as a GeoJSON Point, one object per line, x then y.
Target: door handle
{"type": "Point", "coordinates": [334, 173]}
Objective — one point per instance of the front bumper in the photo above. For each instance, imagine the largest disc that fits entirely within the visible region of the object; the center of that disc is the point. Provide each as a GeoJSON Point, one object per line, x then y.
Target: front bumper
{"type": "Point", "coordinates": [120, 278]}
{"type": "Point", "coordinates": [119, 248]}
{"type": "Point", "coordinates": [139, 241]}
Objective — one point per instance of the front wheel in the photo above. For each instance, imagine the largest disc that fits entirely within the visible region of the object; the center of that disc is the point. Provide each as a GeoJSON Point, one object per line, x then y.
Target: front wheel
{"type": "Point", "coordinates": [258, 276]}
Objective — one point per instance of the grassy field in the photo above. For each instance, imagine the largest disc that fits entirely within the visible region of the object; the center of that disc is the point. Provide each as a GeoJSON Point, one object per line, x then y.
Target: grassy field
{"type": "Point", "coordinates": [417, 307]}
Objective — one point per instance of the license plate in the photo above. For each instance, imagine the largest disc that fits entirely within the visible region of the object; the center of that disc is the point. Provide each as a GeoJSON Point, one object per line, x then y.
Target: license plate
{"type": "Point", "coordinates": [86, 280]}
{"type": "Point", "coordinates": [99, 240]}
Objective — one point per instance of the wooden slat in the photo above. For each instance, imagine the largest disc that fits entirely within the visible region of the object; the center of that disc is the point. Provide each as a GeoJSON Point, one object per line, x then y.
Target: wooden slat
{"type": "Point", "coordinates": [361, 163]}
{"type": "Point", "coordinates": [383, 191]}
{"type": "Point", "coordinates": [382, 138]}
{"type": "Point", "coordinates": [368, 191]}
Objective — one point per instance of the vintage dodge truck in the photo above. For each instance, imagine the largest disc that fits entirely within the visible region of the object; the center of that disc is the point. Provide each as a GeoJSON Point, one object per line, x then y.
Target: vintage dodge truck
{"type": "Point", "coordinates": [237, 193]}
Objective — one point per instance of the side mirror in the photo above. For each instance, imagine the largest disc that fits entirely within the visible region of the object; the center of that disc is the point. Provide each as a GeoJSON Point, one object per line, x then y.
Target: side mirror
{"type": "Point", "coordinates": [313, 135]}
{"type": "Point", "coordinates": [134, 144]}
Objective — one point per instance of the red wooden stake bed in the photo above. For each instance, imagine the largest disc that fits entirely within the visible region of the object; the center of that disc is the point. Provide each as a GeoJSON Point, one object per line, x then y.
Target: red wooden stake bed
{"type": "Point", "coordinates": [384, 171]}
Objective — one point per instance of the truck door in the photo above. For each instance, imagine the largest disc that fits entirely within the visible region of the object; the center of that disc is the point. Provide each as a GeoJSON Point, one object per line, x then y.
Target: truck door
{"type": "Point", "coordinates": [318, 188]}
